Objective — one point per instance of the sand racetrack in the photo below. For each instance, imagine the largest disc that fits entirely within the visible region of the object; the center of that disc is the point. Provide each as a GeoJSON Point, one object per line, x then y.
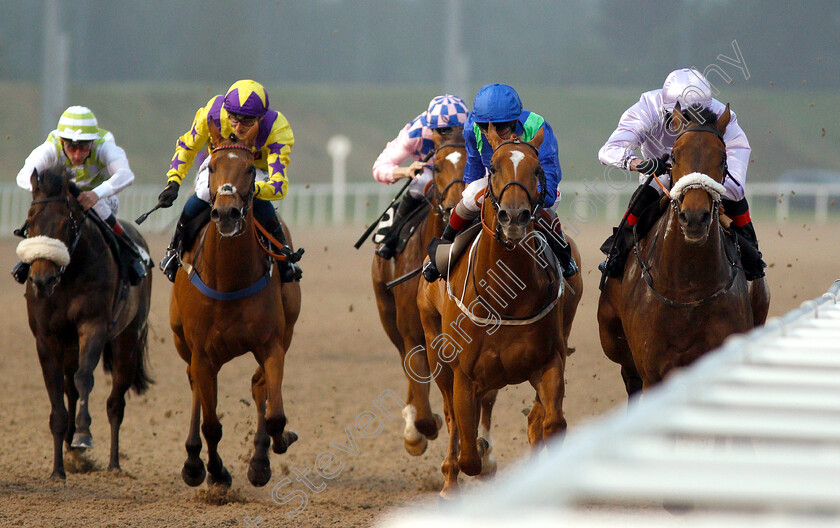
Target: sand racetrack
{"type": "Point", "coordinates": [339, 363]}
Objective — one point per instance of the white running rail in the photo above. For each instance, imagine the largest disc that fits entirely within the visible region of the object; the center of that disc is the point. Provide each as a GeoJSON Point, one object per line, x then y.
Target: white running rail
{"type": "Point", "coordinates": [747, 436]}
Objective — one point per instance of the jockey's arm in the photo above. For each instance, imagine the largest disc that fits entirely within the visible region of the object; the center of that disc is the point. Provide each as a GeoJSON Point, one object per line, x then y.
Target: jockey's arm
{"type": "Point", "coordinates": [550, 163]}
{"type": "Point", "coordinates": [41, 158]}
{"type": "Point", "coordinates": [188, 145]}
{"type": "Point", "coordinates": [737, 158]}
{"type": "Point", "coordinates": [386, 168]}
{"type": "Point", "coordinates": [276, 152]}
{"type": "Point", "coordinates": [618, 151]}
{"type": "Point", "coordinates": [474, 168]}
{"type": "Point", "coordinates": [116, 163]}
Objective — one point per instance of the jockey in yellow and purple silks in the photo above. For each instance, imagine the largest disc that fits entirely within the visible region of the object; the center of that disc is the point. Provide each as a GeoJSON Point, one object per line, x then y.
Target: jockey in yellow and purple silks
{"type": "Point", "coordinates": [245, 105]}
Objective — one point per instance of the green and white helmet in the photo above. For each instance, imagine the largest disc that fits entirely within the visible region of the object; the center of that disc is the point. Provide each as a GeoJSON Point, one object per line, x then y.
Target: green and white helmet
{"type": "Point", "coordinates": [78, 123]}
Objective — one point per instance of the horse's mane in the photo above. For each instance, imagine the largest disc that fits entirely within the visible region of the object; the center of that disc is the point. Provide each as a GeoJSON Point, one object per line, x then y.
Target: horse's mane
{"type": "Point", "coordinates": [702, 116]}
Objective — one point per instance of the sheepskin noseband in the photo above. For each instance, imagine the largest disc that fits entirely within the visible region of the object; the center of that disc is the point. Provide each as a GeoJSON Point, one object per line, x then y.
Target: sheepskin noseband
{"type": "Point", "coordinates": [43, 247]}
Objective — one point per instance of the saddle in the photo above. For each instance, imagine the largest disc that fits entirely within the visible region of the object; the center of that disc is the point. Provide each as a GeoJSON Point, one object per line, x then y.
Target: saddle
{"type": "Point", "coordinates": [398, 234]}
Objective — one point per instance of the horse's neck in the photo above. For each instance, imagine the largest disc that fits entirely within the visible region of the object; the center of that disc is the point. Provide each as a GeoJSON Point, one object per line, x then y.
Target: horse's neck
{"type": "Point", "coordinates": [230, 263]}
{"type": "Point", "coordinates": [683, 264]}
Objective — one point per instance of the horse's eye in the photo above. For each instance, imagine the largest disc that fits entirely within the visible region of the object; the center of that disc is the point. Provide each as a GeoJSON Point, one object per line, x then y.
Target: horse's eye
{"type": "Point", "coordinates": [211, 169]}
{"type": "Point", "coordinates": [436, 168]}
{"type": "Point", "coordinates": [492, 169]}
{"type": "Point", "coordinates": [252, 170]}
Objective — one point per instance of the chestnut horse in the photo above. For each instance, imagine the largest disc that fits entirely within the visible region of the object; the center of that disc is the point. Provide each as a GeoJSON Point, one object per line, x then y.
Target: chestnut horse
{"type": "Point", "coordinates": [504, 316]}
{"type": "Point", "coordinates": [398, 304]}
{"type": "Point", "coordinates": [79, 311]}
{"type": "Point", "coordinates": [226, 301]}
{"type": "Point", "coordinates": [683, 292]}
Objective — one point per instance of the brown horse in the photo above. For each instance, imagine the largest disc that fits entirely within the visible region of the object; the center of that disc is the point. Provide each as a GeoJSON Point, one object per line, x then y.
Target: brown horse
{"type": "Point", "coordinates": [70, 280]}
{"type": "Point", "coordinates": [504, 316]}
{"type": "Point", "coordinates": [226, 301]}
{"type": "Point", "coordinates": [684, 292]}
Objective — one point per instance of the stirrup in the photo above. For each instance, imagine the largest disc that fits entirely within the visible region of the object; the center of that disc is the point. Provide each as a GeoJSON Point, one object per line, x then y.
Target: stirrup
{"type": "Point", "coordinates": [169, 264]}
{"type": "Point", "coordinates": [290, 272]}
{"type": "Point", "coordinates": [430, 271]}
{"type": "Point", "coordinates": [385, 251]}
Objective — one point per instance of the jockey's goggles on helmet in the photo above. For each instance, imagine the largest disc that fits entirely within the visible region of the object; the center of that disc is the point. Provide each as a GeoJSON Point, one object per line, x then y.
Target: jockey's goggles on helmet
{"type": "Point", "coordinates": [500, 127]}
{"type": "Point", "coordinates": [77, 145]}
{"type": "Point", "coordinates": [242, 119]}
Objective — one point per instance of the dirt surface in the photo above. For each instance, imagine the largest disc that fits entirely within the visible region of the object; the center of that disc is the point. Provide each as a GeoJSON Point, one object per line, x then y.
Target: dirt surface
{"type": "Point", "coordinates": [340, 362]}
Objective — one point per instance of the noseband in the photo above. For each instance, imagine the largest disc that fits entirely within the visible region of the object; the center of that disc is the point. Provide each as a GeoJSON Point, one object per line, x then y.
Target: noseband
{"type": "Point", "coordinates": [75, 229]}
{"type": "Point", "coordinates": [715, 193]}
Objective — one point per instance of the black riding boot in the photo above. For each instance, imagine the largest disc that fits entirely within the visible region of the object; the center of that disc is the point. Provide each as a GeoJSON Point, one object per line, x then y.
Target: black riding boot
{"type": "Point", "coordinates": [618, 245]}
{"type": "Point", "coordinates": [289, 269]}
{"type": "Point", "coordinates": [549, 225]}
{"type": "Point", "coordinates": [391, 233]}
{"type": "Point", "coordinates": [130, 258]}
{"type": "Point", "coordinates": [21, 270]}
{"type": "Point", "coordinates": [170, 262]}
{"type": "Point", "coordinates": [747, 240]}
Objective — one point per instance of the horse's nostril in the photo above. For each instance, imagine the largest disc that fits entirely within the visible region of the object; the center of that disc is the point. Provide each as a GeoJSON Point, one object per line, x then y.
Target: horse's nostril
{"type": "Point", "coordinates": [52, 280]}
{"type": "Point", "coordinates": [235, 214]}
{"type": "Point", "coordinates": [214, 214]}
{"type": "Point", "coordinates": [683, 218]}
{"type": "Point", "coordinates": [523, 217]}
{"type": "Point", "coordinates": [504, 217]}
{"type": "Point", "coordinates": [706, 217]}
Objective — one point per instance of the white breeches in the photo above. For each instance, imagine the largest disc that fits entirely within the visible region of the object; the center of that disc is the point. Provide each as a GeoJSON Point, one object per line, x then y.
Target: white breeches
{"type": "Point", "coordinates": [202, 180]}
{"type": "Point", "coordinates": [473, 195]}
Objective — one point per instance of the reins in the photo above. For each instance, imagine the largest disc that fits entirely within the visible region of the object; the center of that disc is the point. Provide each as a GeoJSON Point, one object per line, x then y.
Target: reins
{"type": "Point", "coordinates": [75, 228]}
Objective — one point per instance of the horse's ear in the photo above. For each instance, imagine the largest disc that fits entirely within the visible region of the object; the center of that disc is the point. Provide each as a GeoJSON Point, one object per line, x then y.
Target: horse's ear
{"type": "Point", "coordinates": [723, 120]}
{"type": "Point", "coordinates": [215, 135]}
{"type": "Point", "coordinates": [493, 137]}
{"type": "Point", "coordinates": [678, 121]}
{"type": "Point", "coordinates": [34, 179]}
{"type": "Point", "coordinates": [538, 138]}
{"type": "Point", "coordinates": [251, 136]}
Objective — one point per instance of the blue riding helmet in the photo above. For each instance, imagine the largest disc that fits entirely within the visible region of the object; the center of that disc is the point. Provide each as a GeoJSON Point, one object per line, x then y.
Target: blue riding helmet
{"type": "Point", "coordinates": [496, 103]}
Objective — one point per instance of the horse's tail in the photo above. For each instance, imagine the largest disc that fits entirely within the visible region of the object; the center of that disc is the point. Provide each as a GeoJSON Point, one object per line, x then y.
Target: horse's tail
{"type": "Point", "coordinates": [141, 381]}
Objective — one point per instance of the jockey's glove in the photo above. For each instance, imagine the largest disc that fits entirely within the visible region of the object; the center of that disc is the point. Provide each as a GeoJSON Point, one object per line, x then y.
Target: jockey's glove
{"type": "Point", "coordinates": [168, 196]}
{"type": "Point", "coordinates": [657, 166]}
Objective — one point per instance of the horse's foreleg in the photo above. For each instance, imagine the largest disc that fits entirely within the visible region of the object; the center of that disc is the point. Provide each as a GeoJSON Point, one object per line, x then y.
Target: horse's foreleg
{"type": "Point", "coordinates": [122, 375]}
{"type": "Point", "coordinates": [193, 471]}
{"type": "Point", "coordinates": [449, 467]}
{"type": "Point", "coordinates": [550, 387]}
{"type": "Point", "coordinates": [535, 426]}
{"type": "Point", "coordinates": [614, 342]}
{"type": "Point", "coordinates": [275, 416]}
{"type": "Point", "coordinates": [259, 469]}
{"type": "Point", "coordinates": [92, 339]}
{"type": "Point", "coordinates": [59, 418]}
{"type": "Point", "coordinates": [465, 408]}
{"type": "Point", "coordinates": [72, 400]}
{"type": "Point", "coordinates": [421, 424]}
{"type": "Point", "coordinates": [488, 461]}
{"type": "Point", "coordinates": [206, 379]}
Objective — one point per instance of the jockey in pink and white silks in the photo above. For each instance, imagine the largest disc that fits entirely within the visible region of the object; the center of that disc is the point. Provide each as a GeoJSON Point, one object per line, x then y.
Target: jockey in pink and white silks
{"type": "Point", "coordinates": [644, 127]}
{"type": "Point", "coordinates": [100, 170]}
{"type": "Point", "coordinates": [244, 106]}
{"type": "Point", "coordinates": [500, 104]}
{"type": "Point", "coordinates": [446, 116]}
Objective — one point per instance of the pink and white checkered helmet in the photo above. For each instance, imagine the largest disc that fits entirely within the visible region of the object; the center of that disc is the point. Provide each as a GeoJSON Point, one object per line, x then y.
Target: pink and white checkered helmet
{"type": "Point", "coordinates": [445, 111]}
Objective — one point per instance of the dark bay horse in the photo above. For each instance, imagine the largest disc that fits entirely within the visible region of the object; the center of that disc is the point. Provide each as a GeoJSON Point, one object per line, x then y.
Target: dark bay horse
{"type": "Point", "coordinates": [683, 292]}
{"type": "Point", "coordinates": [398, 304]}
{"type": "Point", "coordinates": [78, 313]}
{"type": "Point", "coordinates": [504, 316]}
{"type": "Point", "coordinates": [228, 300]}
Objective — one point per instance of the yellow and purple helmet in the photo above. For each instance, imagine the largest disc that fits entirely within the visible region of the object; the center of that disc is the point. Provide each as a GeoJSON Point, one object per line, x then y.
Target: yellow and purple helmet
{"type": "Point", "coordinates": [246, 97]}
{"type": "Point", "coordinates": [78, 123]}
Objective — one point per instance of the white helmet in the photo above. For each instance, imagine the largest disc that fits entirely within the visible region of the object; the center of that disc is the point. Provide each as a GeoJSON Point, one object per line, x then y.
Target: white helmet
{"type": "Point", "coordinates": [78, 123]}
{"type": "Point", "coordinates": [687, 87]}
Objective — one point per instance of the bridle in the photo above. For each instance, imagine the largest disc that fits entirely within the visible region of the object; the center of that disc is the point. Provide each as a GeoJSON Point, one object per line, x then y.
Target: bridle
{"type": "Point", "coordinates": [75, 229]}
{"type": "Point", "coordinates": [715, 203]}
{"type": "Point", "coordinates": [440, 194]}
{"type": "Point", "coordinates": [228, 189]}
{"type": "Point", "coordinates": [495, 201]}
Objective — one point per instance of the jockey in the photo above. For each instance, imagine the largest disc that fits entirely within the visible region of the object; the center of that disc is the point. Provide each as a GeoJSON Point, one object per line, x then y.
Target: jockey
{"type": "Point", "coordinates": [446, 116]}
{"type": "Point", "coordinates": [644, 126]}
{"type": "Point", "coordinates": [500, 104]}
{"type": "Point", "coordinates": [245, 105]}
{"type": "Point", "coordinates": [100, 170]}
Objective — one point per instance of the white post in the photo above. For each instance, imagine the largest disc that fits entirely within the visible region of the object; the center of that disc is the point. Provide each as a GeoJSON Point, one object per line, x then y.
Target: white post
{"type": "Point", "coordinates": [339, 147]}
{"type": "Point", "coordinates": [55, 70]}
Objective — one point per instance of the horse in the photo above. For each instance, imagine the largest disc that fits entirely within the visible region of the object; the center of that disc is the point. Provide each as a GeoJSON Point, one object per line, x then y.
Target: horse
{"type": "Point", "coordinates": [227, 300]}
{"type": "Point", "coordinates": [683, 292]}
{"type": "Point", "coordinates": [526, 311]}
{"type": "Point", "coordinates": [71, 280]}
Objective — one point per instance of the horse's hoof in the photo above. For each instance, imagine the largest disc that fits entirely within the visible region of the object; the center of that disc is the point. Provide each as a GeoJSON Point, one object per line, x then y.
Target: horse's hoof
{"type": "Point", "coordinates": [288, 438]}
{"type": "Point", "coordinates": [224, 479]}
{"type": "Point", "coordinates": [570, 351]}
{"type": "Point", "coordinates": [82, 441]}
{"type": "Point", "coordinates": [259, 472]}
{"type": "Point", "coordinates": [488, 466]}
{"type": "Point", "coordinates": [115, 469]}
{"type": "Point", "coordinates": [449, 493]}
{"type": "Point", "coordinates": [416, 447]}
{"type": "Point", "coordinates": [58, 475]}
{"type": "Point", "coordinates": [469, 466]}
{"type": "Point", "coordinates": [429, 428]}
{"type": "Point", "coordinates": [193, 474]}
{"type": "Point", "coordinates": [482, 445]}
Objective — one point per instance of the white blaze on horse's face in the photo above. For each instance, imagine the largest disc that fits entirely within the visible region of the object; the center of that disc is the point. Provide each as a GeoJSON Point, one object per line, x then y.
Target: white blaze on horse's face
{"type": "Point", "coordinates": [516, 157]}
{"type": "Point", "coordinates": [454, 158]}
